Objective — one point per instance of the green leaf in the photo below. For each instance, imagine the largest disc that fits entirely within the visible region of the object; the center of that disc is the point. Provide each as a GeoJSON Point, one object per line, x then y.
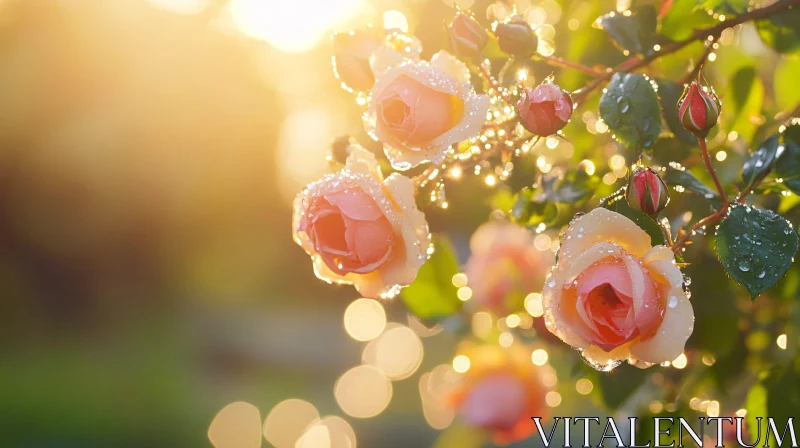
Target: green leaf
{"type": "Point", "coordinates": [432, 295]}
{"type": "Point", "coordinates": [635, 32]}
{"type": "Point", "coordinates": [630, 108]}
{"type": "Point", "coordinates": [788, 166]}
{"type": "Point", "coordinates": [756, 247]}
{"type": "Point", "coordinates": [787, 72]}
{"type": "Point", "coordinates": [618, 385]}
{"type": "Point", "coordinates": [669, 93]}
{"type": "Point", "coordinates": [747, 96]}
{"type": "Point", "coordinates": [781, 31]}
{"type": "Point", "coordinates": [725, 6]}
{"type": "Point", "coordinates": [571, 187]}
{"type": "Point", "coordinates": [618, 203]}
{"type": "Point", "coordinates": [687, 180]}
{"type": "Point", "coordinates": [530, 209]}
{"type": "Point", "coordinates": [761, 162]}
{"type": "Point", "coordinates": [683, 18]}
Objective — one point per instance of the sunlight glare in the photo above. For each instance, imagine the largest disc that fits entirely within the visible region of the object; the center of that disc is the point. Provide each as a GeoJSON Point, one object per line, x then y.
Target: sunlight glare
{"type": "Point", "coordinates": [292, 27]}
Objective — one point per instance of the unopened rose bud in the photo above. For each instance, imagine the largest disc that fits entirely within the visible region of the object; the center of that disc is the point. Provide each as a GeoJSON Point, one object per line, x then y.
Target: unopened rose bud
{"type": "Point", "coordinates": [544, 110]}
{"type": "Point", "coordinates": [339, 149]}
{"type": "Point", "coordinates": [647, 192]}
{"type": "Point", "coordinates": [351, 52]}
{"type": "Point", "coordinates": [467, 36]}
{"type": "Point", "coordinates": [698, 109]}
{"type": "Point", "coordinates": [516, 37]}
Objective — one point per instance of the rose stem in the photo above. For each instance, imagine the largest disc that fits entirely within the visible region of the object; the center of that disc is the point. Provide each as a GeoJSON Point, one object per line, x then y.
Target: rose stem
{"type": "Point", "coordinates": [713, 174]}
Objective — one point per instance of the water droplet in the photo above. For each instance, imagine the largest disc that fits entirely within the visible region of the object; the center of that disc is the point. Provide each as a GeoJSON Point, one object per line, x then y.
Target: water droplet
{"type": "Point", "coordinates": [762, 274]}
{"type": "Point", "coordinates": [672, 302]}
{"type": "Point", "coordinates": [744, 265]}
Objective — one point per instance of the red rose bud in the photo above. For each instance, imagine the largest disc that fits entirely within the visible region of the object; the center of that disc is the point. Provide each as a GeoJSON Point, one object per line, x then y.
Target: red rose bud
{"type": "Point", "coordinates": [698, 109]}
{"type": "Point", "coordinates": [351, 52]}
{"type": "Point", "coordinates": [647, 192]}
{"type": "Point", "coordinates": [516, 37]}
{"type": "Point", "coordinates": [545, 109]}
{"type": "Point", "coordinates": [467, 36]}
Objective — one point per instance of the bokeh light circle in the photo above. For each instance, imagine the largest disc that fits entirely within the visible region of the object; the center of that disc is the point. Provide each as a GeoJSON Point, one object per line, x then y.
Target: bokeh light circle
{"type": "Point", "coordinates": [397, 352]}
{"type": "Point", "coordinates": [287, 421]}
{"type": "Point", "coordinates": [363, 391]}
{"type": "Point", "coordinates": [237, 425]}
{"type": "Point", "coordinates": [364, 319]}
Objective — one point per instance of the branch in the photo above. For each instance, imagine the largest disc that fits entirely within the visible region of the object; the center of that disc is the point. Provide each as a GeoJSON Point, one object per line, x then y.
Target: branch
{"type": "Point", "coordinates": [709, 220]}
{"type": "Point", "coordinates": [563, 63]}
{"type": "Point", "coordinates": [635, 63]}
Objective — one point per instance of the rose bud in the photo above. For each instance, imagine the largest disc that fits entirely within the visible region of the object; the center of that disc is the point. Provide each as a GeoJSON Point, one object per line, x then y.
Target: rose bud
{"type": "Point", "coordinates": [698, 109]}
{"type": "Point", "coordinates": [516, 37]}
{"type": "Point", "coordinates": [647, 192]}
{"type": "Point", "coordinates": [351, 58]}
{"type": "Point", "coordinates": [467, 36]}
{"type": "Point", "coordinates": [545, 109]}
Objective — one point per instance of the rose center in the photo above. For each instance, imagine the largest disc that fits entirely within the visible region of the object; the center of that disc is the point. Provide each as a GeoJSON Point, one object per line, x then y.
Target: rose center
{"type": "Point", "coordinates": [395, 111]}
{"type": "Point", "coordinates": [605, 296]}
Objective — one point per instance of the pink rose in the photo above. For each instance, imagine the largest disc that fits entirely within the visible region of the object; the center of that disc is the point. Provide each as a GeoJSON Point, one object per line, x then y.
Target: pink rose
{"type": "Point", "coordinates": [361, 229]}
{"type": "Point", "coordinates": [500, 392]}
{"type": "Point", "coordinates": [544, 110]}
{"type": "Point", "coordinates": [613, 296]}
{"type": "Point", "coordinates": [504, 267]}
{"type": "Point", "coordinates": [420, 108]}
{"type": "Point", "coordinates": [352, 51]}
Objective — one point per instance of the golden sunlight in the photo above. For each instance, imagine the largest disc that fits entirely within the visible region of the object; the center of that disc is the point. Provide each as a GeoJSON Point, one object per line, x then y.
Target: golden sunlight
{"type": "Point", "coordinates": [292, 27]}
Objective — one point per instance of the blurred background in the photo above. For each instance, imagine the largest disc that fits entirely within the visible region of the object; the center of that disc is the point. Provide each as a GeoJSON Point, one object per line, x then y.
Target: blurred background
{"type": "Point", "coordinates": [149, 154]}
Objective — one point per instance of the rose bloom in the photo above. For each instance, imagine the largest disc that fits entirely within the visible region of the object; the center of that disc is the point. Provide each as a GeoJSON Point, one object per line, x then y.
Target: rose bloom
{"type": "Point", "coordinates": [500, 392]}
{"type": "Point", "coordinates": [545, 109]}
{"type": "Point", "coordinates": [361, 229]}
{"type": "Point", "coordinates": [614, 296]}
{"type": "Point", "coordinates": [352, 51]}
{"type": "Point", "coordinates": [504, 266]}
{"type": "Point", "coordinates": [420, 108]}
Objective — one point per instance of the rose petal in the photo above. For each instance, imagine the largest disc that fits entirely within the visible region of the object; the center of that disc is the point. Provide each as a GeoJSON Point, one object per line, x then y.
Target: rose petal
{"type": "Point", "coordinates": [356, 204]}
{"type": "Point", "coordinates": [452, 65]}
{"type": "Point", "coordinates": [670, 339]}
{"type": "Point", "coordinates": [601, 225]}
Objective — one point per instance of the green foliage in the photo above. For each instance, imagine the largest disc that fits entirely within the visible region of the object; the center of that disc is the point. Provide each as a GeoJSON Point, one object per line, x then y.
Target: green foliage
{"type": "Point", "coordinates": [787, 95]}
{"type": "Point", "coordinates": [725, 6]}
{"type": "Point", "coordinates": [756, 247]}
{"type": "Point", "coordinates": [761, 162]}
{"type": "Point", "coordinates": [687, 180]}
{"type": "Point", "coordinates": [781, 31]}
{"type": "Point", "coordinates": [630, 108]}
{"type": "Point", "coordinates": [635, 32]}
{"type": "Point", "coordinates": [433, 295]}
{"type": "Point", "coordinates": [617, 386]}
{"type": "Point", "coordinates": [683, 18]}
{"type": "Point", "coordinates": [747, 96]}
{"type": "Point", "coordinates": [788, 167]}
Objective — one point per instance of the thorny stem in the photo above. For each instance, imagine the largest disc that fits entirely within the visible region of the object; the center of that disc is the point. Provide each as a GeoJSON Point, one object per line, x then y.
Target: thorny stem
{"type": "Point", "coordinates": [492, 82]}
{"type": "Point", "coordinates": [710, 219]}
{"type": "Point", "coordinates": [713, 174]}
{"type": "Point", "coordinates": [563, 63]}
{"type": "Point", "coordinates": [636, 62]}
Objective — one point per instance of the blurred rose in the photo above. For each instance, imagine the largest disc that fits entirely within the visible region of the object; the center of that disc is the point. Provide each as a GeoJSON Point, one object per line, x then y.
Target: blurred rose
{"type": "Point", "coordinates": [500, 392]}
{"type": "Point", "coordinates": [360, 229]}
{"type": "Point", "coordinates": [420, 108]}
{"type": "Point", "coordinates": [545, 109]}
{"type": "Point", "coordinates": [614, 296]}
{"type": "Point", "coordinates": [467, 36]}
{"type": "Point", "coordinates": [504, 267]}
{"type": "Point", "coordinates": [351, 52]}
{"type": "Point", "coordinates": [516, 37]}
